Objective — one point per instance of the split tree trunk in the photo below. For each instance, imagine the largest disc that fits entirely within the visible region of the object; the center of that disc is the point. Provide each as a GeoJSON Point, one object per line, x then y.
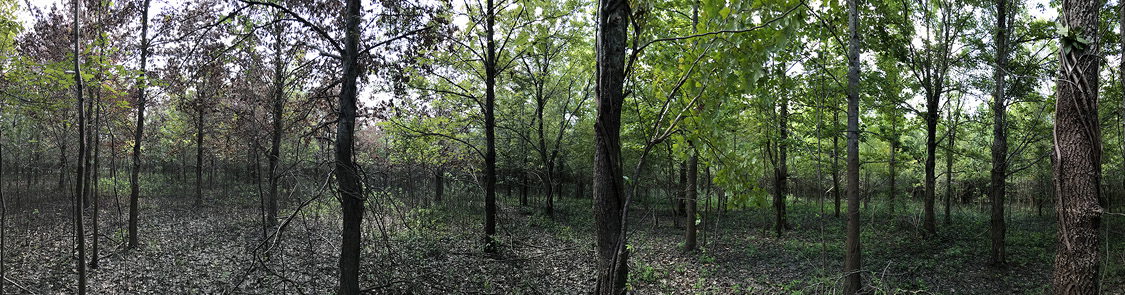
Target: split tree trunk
{"type": "Point", "coordinates": [609, 202]}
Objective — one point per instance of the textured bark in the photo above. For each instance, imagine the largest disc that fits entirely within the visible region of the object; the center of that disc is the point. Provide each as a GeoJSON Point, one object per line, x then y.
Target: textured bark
{"type": "Point", "coordinates": [997, 255]}
{"type": "Point", "coordinates": [692, 196]}
{"type": "Point", "coordinates": [852, 260]}
{"type": "Point", "coordinates": [138, 135]}
{"type": "Point", "coordinates": [1121, 79]}
{"type": "Point", "coordinates": [1078, 155]}
{"type": "Point", "coordinates": [490, 131]}
{"type": "Point", "coordinates": [609, 201]}
{"type": "Point", "coordinates": [928, 222]}
{"type": "Point", "coordinates": [781, 172]}
{"type": "Point", "coordinates": [351, 192]}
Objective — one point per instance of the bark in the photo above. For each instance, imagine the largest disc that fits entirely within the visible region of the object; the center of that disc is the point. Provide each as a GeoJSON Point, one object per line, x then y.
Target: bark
{"type": "Point", "coordinates": [490, 131]}
{"type": "Point", "coordinates": [997, 255]}
{"type": "Point", "coordinates": [681, 189]}
{"type": "Point", "coordinates": [928, 222]}
{"type": "Point", "coordinates": [351, 192]}
{"type": "Point", "coordinates": [781, 172]}
{"type": "Point", "coordinates": [949, 167]}
{"type": "Point", "coordinates": [80, 188]}
{"type": "Point", "coordinates": [278, 112]}
{"type": "Point", "coordinates": [134, 178]}
{"type": "Point", "coordinates": [1121, 79]}
{"type": "Point", "coordinates": [439, 185]}
{"type": "Point", "coordinates": [852, 262]}
{"type": "Point", "coordinates": [97, 164]}
{"type": "Point", "coordinates": [836, 164]}
{"type": "Point", "coordinates": [692, 197]}
{"type": "Point", "coordinates": [609, 201]}
{"type": "Point", "coordinates": [891, 165]}
{"type": "Point", "coordinates": [199, 149]}
{"type": "Point", "coordinates": [1078, 153]}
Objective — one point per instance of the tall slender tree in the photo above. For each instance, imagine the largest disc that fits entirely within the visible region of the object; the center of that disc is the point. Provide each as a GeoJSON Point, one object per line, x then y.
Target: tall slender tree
{"type": "Point", "coordinates": [1078, 153]}
{"type": "Point", "coordinates": [351, 191]}
{"type": "Point", "coordinates": [997, 255]}
{"type": "Point", "coordinates": [81, 177]}
{"type": "Point", "coordinates": [138, 135]}
{"type": "Point", "coordinates": [852, 262]}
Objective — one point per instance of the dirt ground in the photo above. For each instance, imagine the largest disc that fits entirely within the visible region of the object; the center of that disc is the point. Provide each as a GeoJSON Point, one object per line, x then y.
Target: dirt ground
{"type": "Point", "coordinates": [419, 248]}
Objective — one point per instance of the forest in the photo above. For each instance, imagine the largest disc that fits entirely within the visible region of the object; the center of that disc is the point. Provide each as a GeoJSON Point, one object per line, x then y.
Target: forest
{"type": "Point", "coordinates": [562, 147]}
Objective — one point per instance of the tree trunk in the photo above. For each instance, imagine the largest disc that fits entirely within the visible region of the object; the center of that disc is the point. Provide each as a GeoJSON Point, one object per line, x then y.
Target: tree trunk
{"type": "Point", "coordinates": [836, 164]}
{"type": "Point", "coordinates": [275, 137]}
{"type": "Point", "coordinates": [351, 192]}
{"type": "Point", "coordinates": [199, 152]}
{"type": "Point", "coordinates": [891, 166]}
{"type": "Point", "coordinates": [949, 166]}
{"type": "Point", "coordinates": [523, 188]}
{"type": "Point", "coordinates": [134, 178]}
{"type": "Point", "coordinates": [609, 201]}
{"type": "Point", "coordinates": [439, 185]}
{"type": "Point", "coordinates": [1078, 155]}
{"type": "Point", "coordinates": [928, 222]}
{"type": "Point", "coordinates": [781, 172]}
{"type": "Point", "coordinates": [852, 264]}
{"type": "Point", "coordinates": [997, 255]}
{"type": "Point", "coordinates": [490, 131]}
{"type": "Point", "coordinates": [692, 196]}
{"type": "Point", "coordinates": [97, 164]}
{"type": "Point", "coordinates": [681, 189]}
{"type": "Point", "coordinates": [1121, 79]}
{"type": "Point", "coordinates": [80, 188]}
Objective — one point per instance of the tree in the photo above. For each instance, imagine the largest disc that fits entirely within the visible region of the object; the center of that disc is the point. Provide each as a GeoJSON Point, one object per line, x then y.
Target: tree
{"type": "Point", "coordinates": [608, 189]}
{"type": "Point", "coordinates": [80, 184]}
{"type": "Point", "coordinates": [852, 260]}
{"type": "Point", "coordinates": [347, 174]}
{"type": "Point", "coordinates": [1078, 154]}
{"type": "Point", "coordinates": [999, 171]}
{"type": "Point", "coordinates": [692, 196]}
{"type": "Point", "coordinates": [138, 135]}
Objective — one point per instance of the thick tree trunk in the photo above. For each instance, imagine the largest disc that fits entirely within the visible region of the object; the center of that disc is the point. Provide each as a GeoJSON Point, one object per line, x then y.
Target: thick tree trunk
{"type": "Point", "coordinates": [351, 192]}
{"type": "Point", "coordinates": [1078, 154]}
{"type": "Point", "coordinates": [692, 197]}
{"type": "Point", "coordinates": [928, 222]}
{"type": "Point", "coordinates": [609, 202]}
{"type": "Point", "coordinates": [134, 178]}
{"type": "Point", "coordinates": [997, 255]}
{"type": "Point", "coordinates": [852, 264]}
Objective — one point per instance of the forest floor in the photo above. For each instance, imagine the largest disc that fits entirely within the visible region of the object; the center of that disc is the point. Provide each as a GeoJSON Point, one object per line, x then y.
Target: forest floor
{"type": "Point", "coordinates": [413, 248]}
